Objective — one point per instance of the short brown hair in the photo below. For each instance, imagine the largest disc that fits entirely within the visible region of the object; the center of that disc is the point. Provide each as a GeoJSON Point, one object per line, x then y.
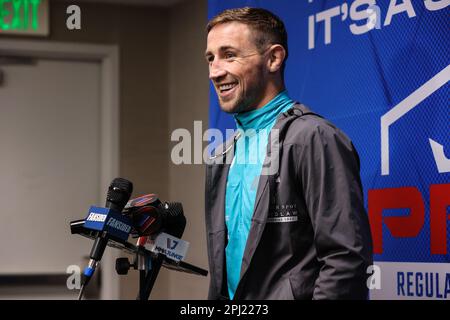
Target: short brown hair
{"type": "Point", "coordinates": [269, 27]}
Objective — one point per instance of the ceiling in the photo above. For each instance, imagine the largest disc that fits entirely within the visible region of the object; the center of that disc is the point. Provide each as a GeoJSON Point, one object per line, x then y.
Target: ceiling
{"type": "Point", "coordinates": [158, 3]}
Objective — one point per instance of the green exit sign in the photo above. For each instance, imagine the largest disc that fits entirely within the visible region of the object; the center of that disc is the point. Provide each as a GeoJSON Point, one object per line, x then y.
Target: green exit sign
{"type": "Point", "coordinates": [26, 17]}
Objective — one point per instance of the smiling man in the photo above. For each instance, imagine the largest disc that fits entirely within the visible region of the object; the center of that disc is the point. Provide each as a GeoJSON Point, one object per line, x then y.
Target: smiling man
{"type": "Point", "coordinates": [300, 232]}
{"type": "Point", "coordinates": [237, 68]}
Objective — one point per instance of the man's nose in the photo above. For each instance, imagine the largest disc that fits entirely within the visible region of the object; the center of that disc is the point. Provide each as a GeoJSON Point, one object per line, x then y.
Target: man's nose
{"type": "Point", "coordinates": [216, 70]}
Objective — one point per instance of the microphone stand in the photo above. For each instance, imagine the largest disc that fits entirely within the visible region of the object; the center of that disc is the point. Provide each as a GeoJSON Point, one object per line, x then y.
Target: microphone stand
{"type": "Point", "coordinates": [147, 262]}
{"type": "Point", "coordinates": [148, 265]}
{"type": "Point", "coordinates": [147, 278]}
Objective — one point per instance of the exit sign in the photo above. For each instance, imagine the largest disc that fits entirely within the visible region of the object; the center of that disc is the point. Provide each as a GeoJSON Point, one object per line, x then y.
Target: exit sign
{"type": "Point", "coordinates": [24, 17]}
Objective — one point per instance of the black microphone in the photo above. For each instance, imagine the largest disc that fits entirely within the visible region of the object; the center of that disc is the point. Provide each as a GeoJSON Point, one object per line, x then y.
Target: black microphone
{"type": "Point", "coordinates": [175, 221]}
{"type": "Point", "coordinates": [119, 193]}
{"type": "Point", "coordinates": [150, 216]}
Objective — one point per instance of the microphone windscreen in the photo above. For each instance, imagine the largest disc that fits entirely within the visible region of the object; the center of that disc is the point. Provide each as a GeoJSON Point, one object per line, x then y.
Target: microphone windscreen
{"type": "Point", "coordinates": [119, 193]}
{"type": "Point", "coordinates": [175, 219]}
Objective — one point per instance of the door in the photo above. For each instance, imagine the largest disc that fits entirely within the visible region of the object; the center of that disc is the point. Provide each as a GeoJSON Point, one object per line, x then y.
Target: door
{"type": "Point", "coordinates": [49, 162]}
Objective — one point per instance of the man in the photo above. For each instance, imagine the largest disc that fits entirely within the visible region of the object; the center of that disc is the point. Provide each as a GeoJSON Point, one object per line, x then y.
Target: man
{"type": "Point", "coordinates": [297, 230]}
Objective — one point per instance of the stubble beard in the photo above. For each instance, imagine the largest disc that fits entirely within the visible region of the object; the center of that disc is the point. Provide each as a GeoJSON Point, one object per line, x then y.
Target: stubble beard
{"type": "Point", "coordinates": [243, 102]}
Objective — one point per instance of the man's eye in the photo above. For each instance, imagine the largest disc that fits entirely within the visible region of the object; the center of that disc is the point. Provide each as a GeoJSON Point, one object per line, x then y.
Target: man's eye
{"type": "Point", "coordinates": [229, 55]}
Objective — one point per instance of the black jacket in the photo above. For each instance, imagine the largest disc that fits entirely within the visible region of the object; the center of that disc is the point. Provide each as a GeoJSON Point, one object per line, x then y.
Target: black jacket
{"type": "Point", "coordinates": [309, 235]}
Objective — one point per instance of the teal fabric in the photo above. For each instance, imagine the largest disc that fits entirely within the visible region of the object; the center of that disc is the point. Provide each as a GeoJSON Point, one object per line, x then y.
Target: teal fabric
{"type": "Point", "coordinates": [243, 178]}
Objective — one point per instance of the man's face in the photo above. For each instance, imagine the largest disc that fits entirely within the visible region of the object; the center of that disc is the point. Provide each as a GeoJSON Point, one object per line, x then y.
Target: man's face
{"type": "Point", "coordinates": [236, 68]}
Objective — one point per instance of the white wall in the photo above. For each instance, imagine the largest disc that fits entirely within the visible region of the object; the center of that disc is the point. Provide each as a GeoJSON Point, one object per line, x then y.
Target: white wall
{"type": "Point", "coordinates": [188, 101]}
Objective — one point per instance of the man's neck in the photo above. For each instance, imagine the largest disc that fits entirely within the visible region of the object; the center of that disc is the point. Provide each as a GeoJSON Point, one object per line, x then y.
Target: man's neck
{"type": "Point", "coordinates": [272, 90]}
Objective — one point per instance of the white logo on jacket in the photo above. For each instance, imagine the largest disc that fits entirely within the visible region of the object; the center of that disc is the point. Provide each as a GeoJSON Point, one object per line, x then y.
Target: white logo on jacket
{"type": "Point", "coordinates": [283, 213]}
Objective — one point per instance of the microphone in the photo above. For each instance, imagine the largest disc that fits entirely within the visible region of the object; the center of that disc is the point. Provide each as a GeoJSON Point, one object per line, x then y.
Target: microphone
{"type": "Point", "coordinates": [150, 216]}
{"type": "Point", "coordinates": [117, 197]}
{"type": "Point", "coordinates": [145, 214]}
{"type": "Point", "coordinates": [153, 219]}
{"type": "Point", "coordinates": [175, 221]}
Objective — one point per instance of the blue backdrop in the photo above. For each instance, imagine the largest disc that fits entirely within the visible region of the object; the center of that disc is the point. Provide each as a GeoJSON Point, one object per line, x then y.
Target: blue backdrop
{"type": "Point", "coordinates": [400, 70]}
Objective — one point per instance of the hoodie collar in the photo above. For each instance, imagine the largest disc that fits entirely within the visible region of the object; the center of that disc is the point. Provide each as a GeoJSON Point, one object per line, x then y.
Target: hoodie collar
{"type": "Point", "coordinates": [265, 116]}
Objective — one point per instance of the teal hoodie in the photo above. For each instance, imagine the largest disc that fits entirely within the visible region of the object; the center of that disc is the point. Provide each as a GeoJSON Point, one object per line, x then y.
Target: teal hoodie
{"type": "Point", "coordinates": [243, 179]}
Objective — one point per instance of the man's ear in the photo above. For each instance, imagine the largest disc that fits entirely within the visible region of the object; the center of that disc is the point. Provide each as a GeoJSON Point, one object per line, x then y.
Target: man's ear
{"type": "Point", "coordinates": [277, 54]}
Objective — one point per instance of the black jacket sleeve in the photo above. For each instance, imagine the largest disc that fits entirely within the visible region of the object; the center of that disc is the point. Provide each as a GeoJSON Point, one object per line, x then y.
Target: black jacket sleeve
{"type": "Point", "coordinates": [328, 170]}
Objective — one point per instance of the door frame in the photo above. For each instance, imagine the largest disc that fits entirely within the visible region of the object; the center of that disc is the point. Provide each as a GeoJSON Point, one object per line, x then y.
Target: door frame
{"type": "Point", "coordinates": [108, 58]}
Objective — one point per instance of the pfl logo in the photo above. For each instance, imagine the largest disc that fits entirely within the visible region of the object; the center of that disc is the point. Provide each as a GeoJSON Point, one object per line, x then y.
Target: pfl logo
{"type": "Point", "coordinates": [410, 197]}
